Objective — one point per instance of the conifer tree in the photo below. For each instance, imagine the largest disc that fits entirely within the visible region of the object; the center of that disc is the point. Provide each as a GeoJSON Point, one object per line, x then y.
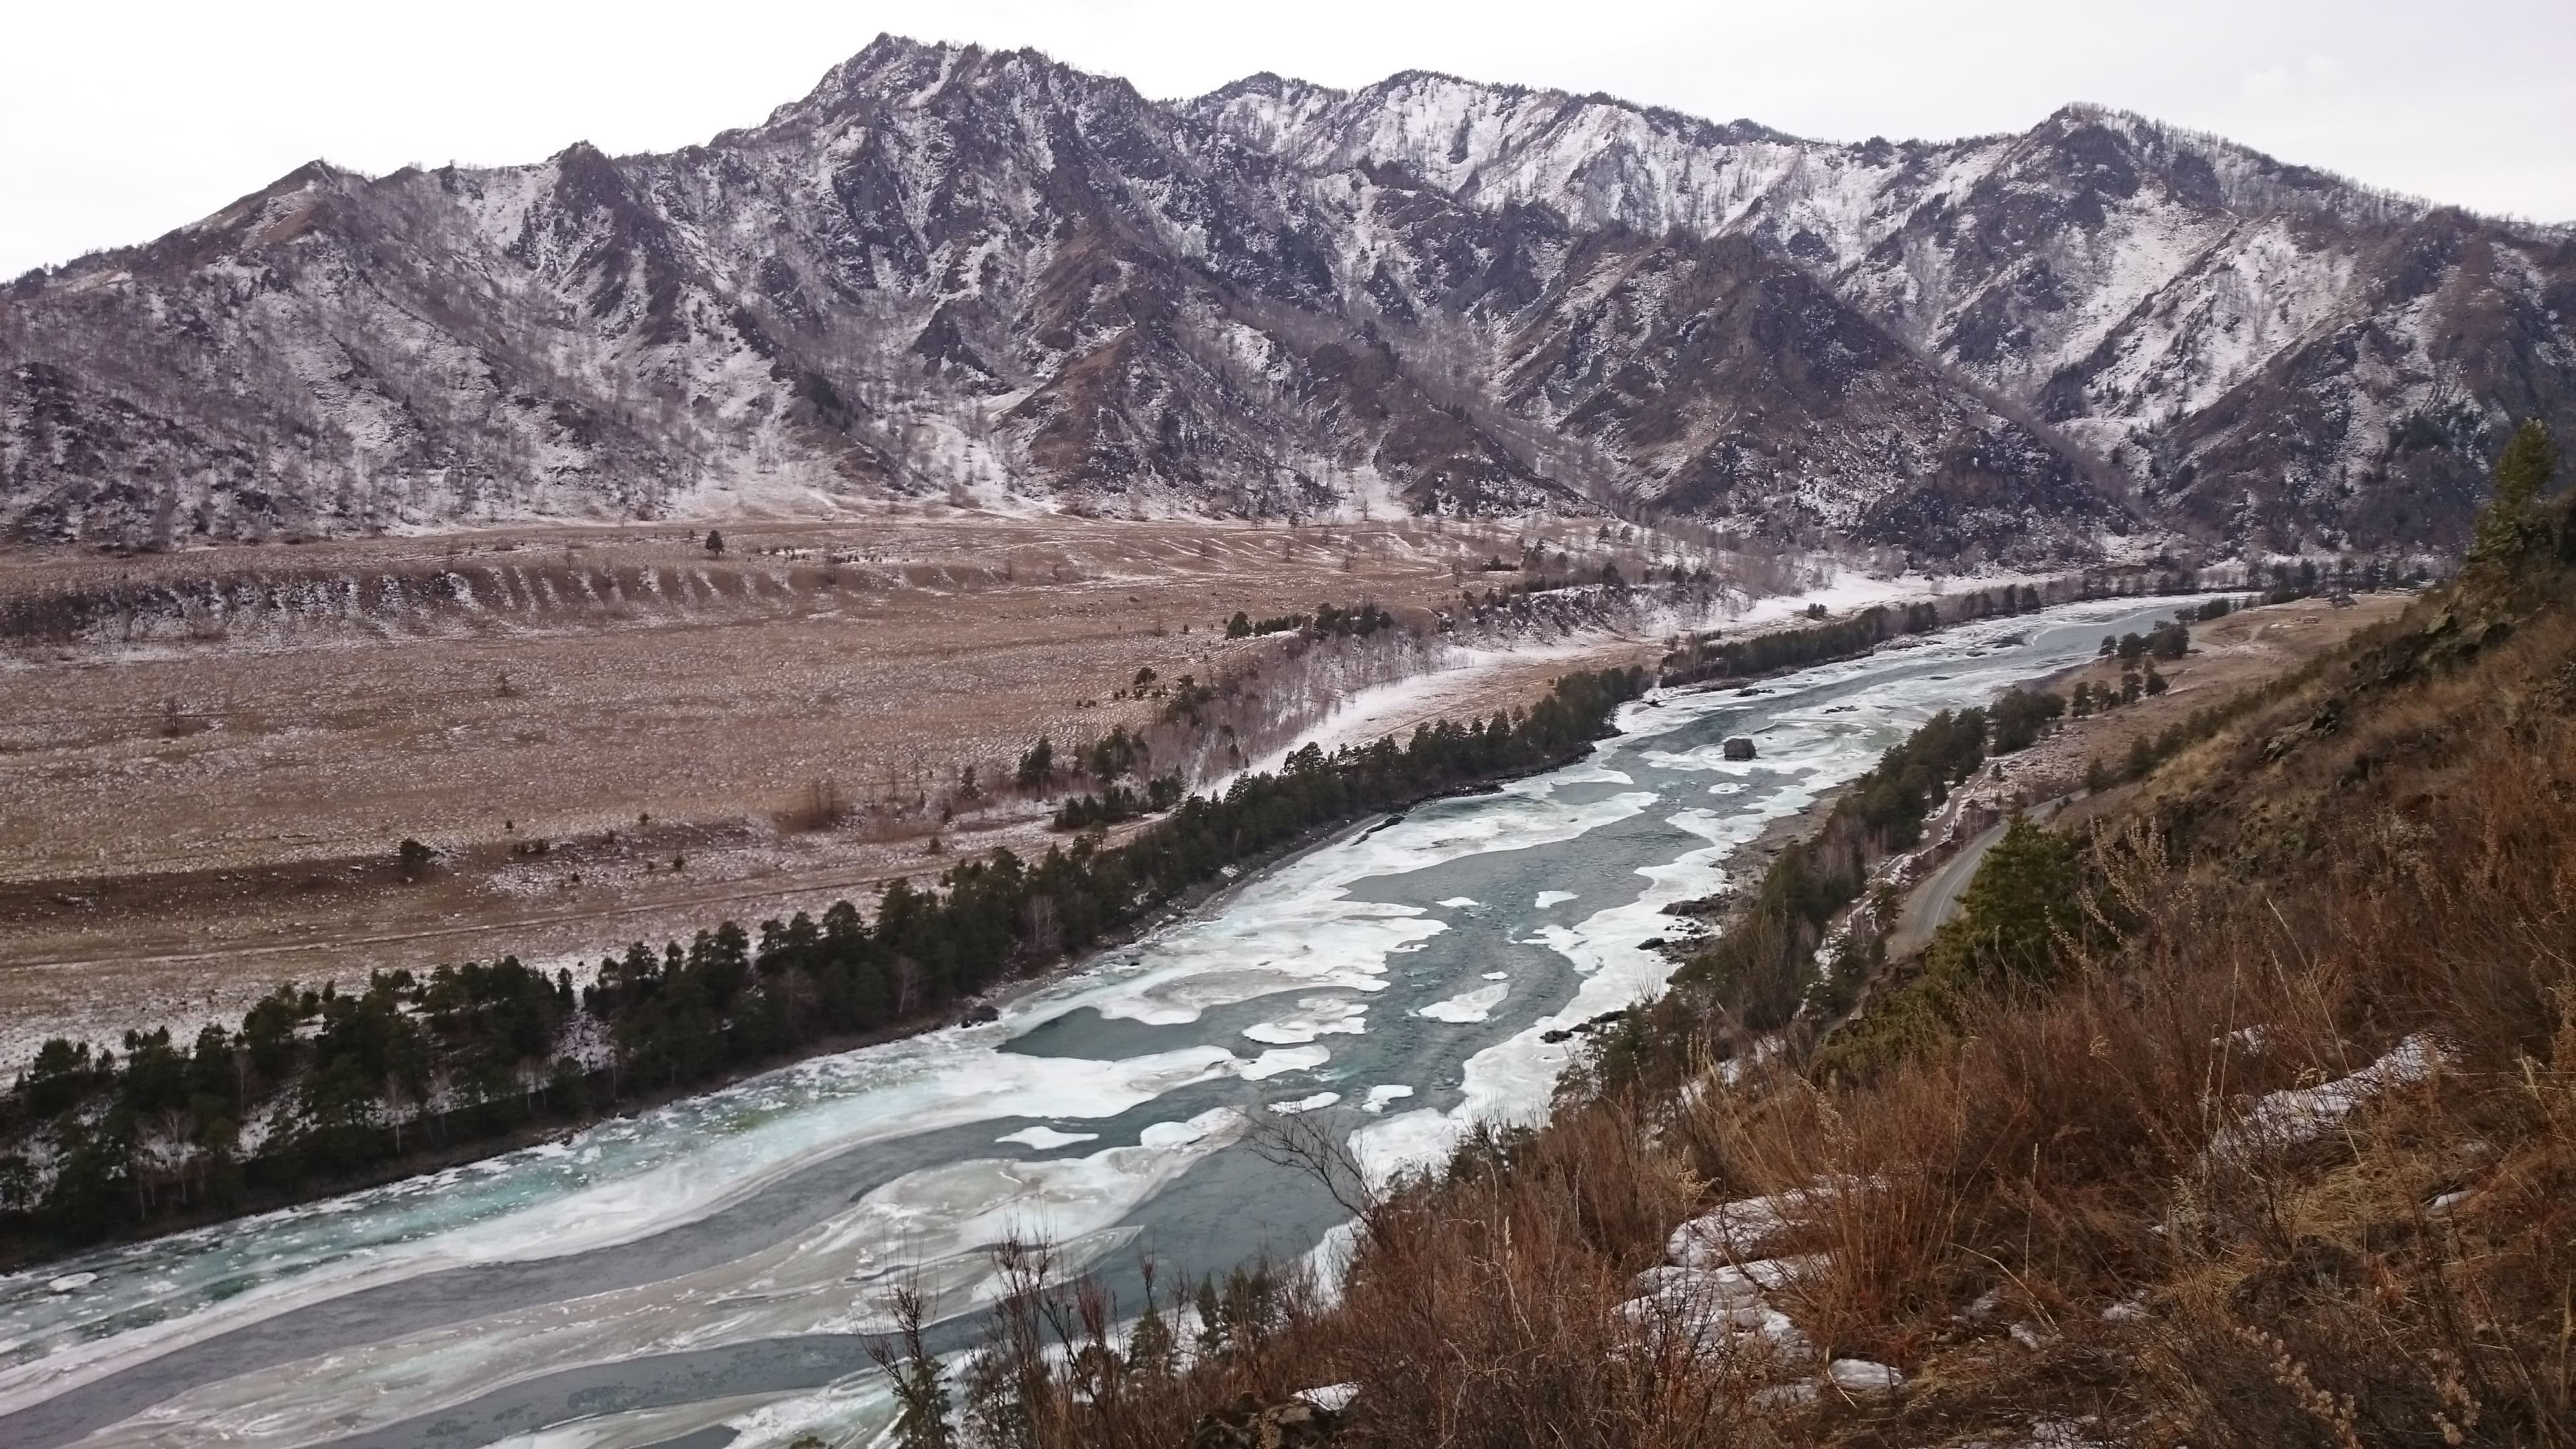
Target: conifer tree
{"type": "Point", "coordinates": [927, 1419]}
{"type": "Point", "coordinates": [1151, 1354]}
{"type": "Point", "coordinates": [2510, 525]}
{"type": "Point", "coordinates": [1211, 1345]}
{"type": "Point", "coordinates": [2142, 758]}
{"type": "Point", "coordinates": [2022, 904]}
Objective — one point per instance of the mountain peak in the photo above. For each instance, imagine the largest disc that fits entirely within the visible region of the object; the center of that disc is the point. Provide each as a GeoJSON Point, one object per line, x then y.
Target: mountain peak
{"type": "Point", "coordinates": [1267, 84]}
{"type": "Point", "coordinates": [888, 58]}
{"type": "Point", "coordinates": [1475, 298]}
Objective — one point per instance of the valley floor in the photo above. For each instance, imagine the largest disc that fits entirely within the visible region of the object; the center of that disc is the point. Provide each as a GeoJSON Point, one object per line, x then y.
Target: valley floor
{"type": "Point", "coordinates": [201, 808]}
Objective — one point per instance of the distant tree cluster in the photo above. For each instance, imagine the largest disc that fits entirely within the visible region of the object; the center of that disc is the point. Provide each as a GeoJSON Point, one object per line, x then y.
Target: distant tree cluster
{"type": "Point", "coordinates": [1714, 658]}
{"type": "Point", "coordinates": [2021, 714]}
{"type": "Point", "coordinates": [158, 1131]}
{"type": "Point", "coordinates": [2169, 640]}
{"type": "Point", "coordinates": [1358, 623]}
{"type": "Point", "coordinates": [1327, 622]}
{"type": "Point", "coordinates": [1711, 657]}
{"type": "Point", "coordinates": [1189, 699]}
{"type": "Point", "coordinates": [2137, 655]}
{"type": "Point", "coordinates": [1244, 626]}
{"type": "Point", "coordinates": [1116, 804]}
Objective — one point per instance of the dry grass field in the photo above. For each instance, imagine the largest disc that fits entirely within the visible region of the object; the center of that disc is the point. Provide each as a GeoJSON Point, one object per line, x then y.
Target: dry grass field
{"type": "Point", "coordinates": [2228, 656]}
{"type": "Point", "coordinates": [207, 759]}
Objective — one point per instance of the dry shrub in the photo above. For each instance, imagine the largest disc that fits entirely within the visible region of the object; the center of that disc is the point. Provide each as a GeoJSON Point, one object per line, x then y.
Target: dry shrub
{"type": "Point", "coordinates": [2056, 1148]}
{"type": "Point", "coordinates": [2030, 1155]}
{"type": "Point", "coordinates": [2322, 1298]}
{"type": "Point", "coordinates": [1479, 1314]}
{"type": "Point", "coordinates": [178, 721]}
{"type": "Point", "coordinates": [1481, 1311]}
{"type": "Point", "coordinates": [821, 807]}
{"type": "Point", "coordinates": [2404, 869]}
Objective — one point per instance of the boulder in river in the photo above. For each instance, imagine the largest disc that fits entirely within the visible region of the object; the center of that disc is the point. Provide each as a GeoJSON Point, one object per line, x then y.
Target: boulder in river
{"type": "Point", "coordinates": [1739, 748]}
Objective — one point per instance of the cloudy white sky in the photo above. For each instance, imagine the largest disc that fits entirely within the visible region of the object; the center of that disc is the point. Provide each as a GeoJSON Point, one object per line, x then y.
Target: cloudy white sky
{"type": "Point", "coordinates": [119, 123]}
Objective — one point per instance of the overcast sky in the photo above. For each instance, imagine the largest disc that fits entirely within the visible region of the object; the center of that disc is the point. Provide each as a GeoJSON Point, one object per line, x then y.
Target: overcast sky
{"type": "Point", "coordinates": [119, 123]}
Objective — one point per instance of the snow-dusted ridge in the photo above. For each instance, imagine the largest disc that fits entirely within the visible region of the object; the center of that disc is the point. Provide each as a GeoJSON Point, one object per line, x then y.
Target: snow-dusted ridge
{"type": "Point", "coordinates": [985, 275]}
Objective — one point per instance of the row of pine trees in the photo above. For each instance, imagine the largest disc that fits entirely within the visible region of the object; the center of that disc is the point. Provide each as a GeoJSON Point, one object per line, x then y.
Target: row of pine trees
{"type": "Point", "coordinates": [319, 1088]}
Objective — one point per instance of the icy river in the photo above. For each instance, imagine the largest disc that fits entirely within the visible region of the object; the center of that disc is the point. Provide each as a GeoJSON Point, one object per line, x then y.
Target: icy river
{"type": "Point", "coordinates": [710, 1273]}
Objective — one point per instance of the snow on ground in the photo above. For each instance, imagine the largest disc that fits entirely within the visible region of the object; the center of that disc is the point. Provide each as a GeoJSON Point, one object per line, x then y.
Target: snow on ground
{"type": "Point", "coordinates": [2290, 1117]}
{"type": "Point", "coordinates": [1456, 688]}
{"type": "Point", "coordinates": [1453, 690]}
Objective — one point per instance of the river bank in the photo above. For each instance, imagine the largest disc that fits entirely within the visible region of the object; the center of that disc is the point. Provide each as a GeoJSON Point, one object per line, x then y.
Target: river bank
{"type": "Point", "coordinates": [92, 1120]}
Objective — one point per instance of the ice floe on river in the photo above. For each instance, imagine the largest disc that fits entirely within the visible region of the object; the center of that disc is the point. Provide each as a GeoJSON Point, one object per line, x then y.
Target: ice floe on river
{"type": "Point", "coordinates": [1467, 1006]}
{"type": "Point", "coordinates": [928, 1229]}
{"type": "Point", "coordinates": [1315, 1016]}
{"type": "Point", "coordinates": [1046, 1139]}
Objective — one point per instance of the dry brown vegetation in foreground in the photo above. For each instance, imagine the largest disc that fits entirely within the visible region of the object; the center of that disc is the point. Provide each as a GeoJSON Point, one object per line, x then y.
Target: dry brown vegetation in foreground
{"type": "Point", "coordinates": [2279, 1150]}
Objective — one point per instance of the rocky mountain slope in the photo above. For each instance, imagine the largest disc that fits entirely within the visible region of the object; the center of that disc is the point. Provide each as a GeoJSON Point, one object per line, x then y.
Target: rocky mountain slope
{"type": "Point", "coordinates": [987, 276]}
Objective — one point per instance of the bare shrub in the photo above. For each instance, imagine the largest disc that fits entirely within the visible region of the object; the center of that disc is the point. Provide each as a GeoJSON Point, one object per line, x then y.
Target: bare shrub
{"type": "Point", "coordinates": [178, 721]}
{"type": "Point", "coordinates": [1479, 1315]}
{"type": "Point", "coordinates": [821, 807]}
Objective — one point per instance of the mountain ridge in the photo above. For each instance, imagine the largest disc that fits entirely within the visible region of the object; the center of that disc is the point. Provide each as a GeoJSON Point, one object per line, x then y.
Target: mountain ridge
{"type": "Point", "coordinates": [984, 274]}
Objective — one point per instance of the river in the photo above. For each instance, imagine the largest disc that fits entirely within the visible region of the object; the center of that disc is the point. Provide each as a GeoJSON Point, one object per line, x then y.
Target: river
{"type": "Point", "coordinates": [711, 1272]}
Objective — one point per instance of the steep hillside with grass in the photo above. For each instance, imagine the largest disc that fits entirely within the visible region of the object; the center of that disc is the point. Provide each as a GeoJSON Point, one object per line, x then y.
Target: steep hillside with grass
{"type": "Point", "coordinates": [2242, 1114]}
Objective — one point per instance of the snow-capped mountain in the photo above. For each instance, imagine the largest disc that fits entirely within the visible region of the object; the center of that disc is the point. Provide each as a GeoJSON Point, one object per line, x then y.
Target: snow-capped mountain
{"type": "Point", "coordinates": [993, 277]}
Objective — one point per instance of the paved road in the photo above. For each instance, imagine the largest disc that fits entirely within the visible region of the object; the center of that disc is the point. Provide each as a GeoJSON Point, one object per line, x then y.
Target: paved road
{"type": "Point", "coordinates": [1936, 899]}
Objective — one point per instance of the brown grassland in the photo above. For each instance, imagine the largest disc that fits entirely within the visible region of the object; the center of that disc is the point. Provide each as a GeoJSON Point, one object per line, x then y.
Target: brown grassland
{"type": "Point", "coordinates": [207, 758]}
